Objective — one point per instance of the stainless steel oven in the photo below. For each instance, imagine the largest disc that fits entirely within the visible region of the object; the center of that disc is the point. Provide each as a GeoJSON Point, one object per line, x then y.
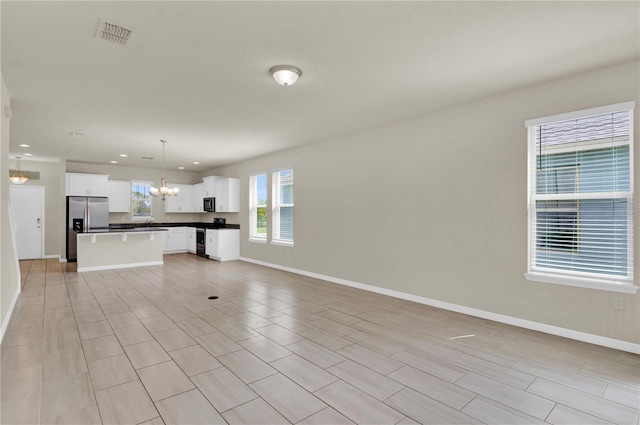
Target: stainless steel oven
{"type": "Point", "coordinates": [201, 241]}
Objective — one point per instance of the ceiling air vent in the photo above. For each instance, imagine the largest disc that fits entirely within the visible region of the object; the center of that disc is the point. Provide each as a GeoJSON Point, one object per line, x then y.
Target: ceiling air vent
{"type": "Point", "coordinates": [113, 32]}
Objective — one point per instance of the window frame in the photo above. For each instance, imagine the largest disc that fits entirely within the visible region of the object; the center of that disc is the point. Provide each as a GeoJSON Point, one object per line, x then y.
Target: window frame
{"type": "Point", "coordinates": [254, 236]}
{"type": "Point", "coordinates": [133, 200]}
{"type": "Point", "coordinates": [575, 278]}
{"type": "Point", "coordinates": [276, 205]}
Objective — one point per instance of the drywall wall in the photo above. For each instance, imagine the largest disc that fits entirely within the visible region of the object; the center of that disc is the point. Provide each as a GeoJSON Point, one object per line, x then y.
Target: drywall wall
{"type": "Point", "coordinates": [437, 206]}
{"type": "Point", "coordinates": [9, 270]}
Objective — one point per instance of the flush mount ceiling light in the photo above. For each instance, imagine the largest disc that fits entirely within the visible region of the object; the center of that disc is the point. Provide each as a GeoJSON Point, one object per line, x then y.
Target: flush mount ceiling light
{"type": "Point", "coordinates": [164, 191]}
{"type": "Point", "coordinates": [17, 177]}
{"type": "Point", "coordinates": [285, 75]}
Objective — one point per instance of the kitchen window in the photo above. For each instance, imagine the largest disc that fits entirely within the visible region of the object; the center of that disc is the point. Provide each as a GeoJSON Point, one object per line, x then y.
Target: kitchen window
{"type": "Point", "coordinates": [581, 198]}
{"type": "Point", "coordinates": [258, 208]}
{"type": "Point", "coordinates": [282, 212]}
{"type": "Point", "coordinates": [141, 200]}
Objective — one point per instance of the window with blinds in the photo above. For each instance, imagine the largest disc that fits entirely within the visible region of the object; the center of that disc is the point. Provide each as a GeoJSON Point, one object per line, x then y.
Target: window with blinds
{"type": "Point", "coordinates": [141, 199]}
{"type": "Point", "coordinates": [282, 214]}
{"type": "Point", "coordinates": [258, 207]}
{"type": "Point", "coordinates": [581, 195]}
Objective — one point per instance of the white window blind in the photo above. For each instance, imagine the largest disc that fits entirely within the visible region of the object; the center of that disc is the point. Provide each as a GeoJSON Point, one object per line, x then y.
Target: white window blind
{"type": "Point", "coordinates": [282, 214]}
{"type": "Point", "coordinates": [258, 207]}
{"type": "Point", "coordinates": [581, 194]}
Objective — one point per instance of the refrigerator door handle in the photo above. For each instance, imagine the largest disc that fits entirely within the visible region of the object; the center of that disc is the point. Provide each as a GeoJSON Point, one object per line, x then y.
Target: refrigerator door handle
{"type": "Point", "coordinates": [86, 219]}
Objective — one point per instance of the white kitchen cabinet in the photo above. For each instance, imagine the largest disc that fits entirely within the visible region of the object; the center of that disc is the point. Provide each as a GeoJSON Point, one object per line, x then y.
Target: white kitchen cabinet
{"type": "Point", "coordinates": [197, 196]}
{"type": "Point", "coordinates": [119, 193]}
{"type": "Point", "coordinates": [180, 203]}
{"type": "Point", "coordinates": [191, 239]}
{"type": "Point", "coordinates": [227, 195]}
{"type": "Point", "coordinates": [209, 186]}
{"type": "Point", "coordinates": [86, 184]}
{"type": "Point", "coordinates": [175, 240]}
{"type": "Point", "coordinates": [223, 244]}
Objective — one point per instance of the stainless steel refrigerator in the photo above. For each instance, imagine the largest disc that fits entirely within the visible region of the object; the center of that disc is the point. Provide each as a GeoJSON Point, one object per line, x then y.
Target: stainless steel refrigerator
{"type": "Point", "coordinates": [85, 214]}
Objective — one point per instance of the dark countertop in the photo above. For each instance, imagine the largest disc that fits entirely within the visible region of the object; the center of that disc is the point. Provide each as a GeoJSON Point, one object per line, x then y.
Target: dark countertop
{"type": "Point", "coordinates": [123, 230]}
{"type": "Point", "coordinates": [116, 227]}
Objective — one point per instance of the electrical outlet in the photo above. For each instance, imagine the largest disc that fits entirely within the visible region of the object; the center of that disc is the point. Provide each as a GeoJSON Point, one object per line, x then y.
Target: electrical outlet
{"type": "Point", "coordinates": [618, 303]}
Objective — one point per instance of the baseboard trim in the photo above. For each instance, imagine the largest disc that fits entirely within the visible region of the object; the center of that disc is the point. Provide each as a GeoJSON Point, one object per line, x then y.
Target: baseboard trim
{"type": "Point", "coordinates": [52, 256]}
{"type": "Point", "coordinates": [119, 266]}
{"type": "Point", "coordinates": [7, 318]}
{"type": "Point", "coordinates": [496, 317]}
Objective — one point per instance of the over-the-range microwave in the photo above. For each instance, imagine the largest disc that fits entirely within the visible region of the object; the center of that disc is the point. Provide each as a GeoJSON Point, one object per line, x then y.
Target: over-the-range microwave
{"type": "Point", "coordinates": [209, 204]}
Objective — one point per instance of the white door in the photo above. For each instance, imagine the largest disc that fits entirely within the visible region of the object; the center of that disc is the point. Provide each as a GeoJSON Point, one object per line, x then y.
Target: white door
{"type": "Point", "coordinates": [28, 212]}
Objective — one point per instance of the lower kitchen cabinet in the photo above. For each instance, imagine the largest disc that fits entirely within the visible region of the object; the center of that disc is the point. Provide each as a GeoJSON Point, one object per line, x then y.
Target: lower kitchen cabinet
{"type": "Point", "coordinates": [223, 244]}
{"type": "Point", "coordinates": [191, 239]}
{"type": "Point", "coordinates": [175, 240]}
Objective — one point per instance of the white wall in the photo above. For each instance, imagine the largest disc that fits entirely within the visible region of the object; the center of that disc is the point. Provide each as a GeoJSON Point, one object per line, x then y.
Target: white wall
{"type": "Point", "coordinates": [437, 206]}
{"type": "Point", "coordinates": [9, 271]}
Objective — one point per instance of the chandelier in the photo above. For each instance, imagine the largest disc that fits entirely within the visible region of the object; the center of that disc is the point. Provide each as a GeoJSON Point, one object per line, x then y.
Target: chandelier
{"type": "Point", "coordinates": [164, 191]}
{"type": "Point", "coordinates": [17, 177]}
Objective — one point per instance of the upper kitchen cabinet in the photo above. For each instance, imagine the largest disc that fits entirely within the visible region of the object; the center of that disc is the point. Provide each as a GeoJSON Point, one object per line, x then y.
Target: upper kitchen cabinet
{"type": "Point", "coordinates": [87, 184]}
{"type": "Point", "coordinates": [119, 193]}
{"type": "Point", "coordinates": [196, 198]}
{"type": "Point", "coordinates": [180, 203]}
{"type": "Point", "coordinates": [227, 195]}
{"type": "Point", "coordinates": [209, 186]}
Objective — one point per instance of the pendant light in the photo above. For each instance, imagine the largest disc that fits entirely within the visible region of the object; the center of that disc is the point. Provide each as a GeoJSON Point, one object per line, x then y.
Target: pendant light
{"type": "Point", "coordinates": [164, 191]}
{"type": "Point", "coordinates": [17, 177]}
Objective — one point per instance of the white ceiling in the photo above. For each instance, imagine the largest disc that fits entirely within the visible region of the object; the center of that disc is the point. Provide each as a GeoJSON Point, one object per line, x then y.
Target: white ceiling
{"type": "Point", "coordinates": [196, 73]}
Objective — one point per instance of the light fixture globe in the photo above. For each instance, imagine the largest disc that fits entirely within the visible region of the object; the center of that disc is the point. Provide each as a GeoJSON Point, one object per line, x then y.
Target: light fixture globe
{"type": "Point", "coordinates": [285, 75]}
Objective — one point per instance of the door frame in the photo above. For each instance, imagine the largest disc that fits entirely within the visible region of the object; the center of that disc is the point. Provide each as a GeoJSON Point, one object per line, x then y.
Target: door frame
{"type": "Point", "coordinates": [42, 211]}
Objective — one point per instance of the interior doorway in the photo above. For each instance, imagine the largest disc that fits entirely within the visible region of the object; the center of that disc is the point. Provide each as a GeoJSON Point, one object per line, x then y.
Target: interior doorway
{"type": "Point", "coordinates": [28, 212]}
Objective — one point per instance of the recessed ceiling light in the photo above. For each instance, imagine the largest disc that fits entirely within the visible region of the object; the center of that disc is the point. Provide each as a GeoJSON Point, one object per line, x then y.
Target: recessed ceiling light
{"type": "Point", "coordinates": [124, 155]}
{"type": "Point", "coordinates": [180, 168]}
{"type": "Point", "coordinates": [77, 134]}
{"type": "Point", "coordinates": [27, 154]}
{"type": "Point", "coordinates": [24, 146]}
{"type": "Point", "coordinates": [113, 162]}
{"type": "Point", "coordinates": [196, 163]}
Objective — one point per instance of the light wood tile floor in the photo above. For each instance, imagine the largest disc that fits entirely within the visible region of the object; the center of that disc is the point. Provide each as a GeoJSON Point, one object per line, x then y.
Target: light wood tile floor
{"type": "Point", "coordinates": [145, 345]}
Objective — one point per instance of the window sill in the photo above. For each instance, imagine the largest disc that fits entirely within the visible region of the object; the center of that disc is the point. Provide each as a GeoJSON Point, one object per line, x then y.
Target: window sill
{"type": "Point", "coordinates": [604, 285]}
{"type": "Point", "coordinates": [258, 240]}
{"type": "Point", "coordinates": [282, 243]}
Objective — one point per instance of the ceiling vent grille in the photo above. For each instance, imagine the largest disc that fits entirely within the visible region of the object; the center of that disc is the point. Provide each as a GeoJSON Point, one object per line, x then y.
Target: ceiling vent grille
{"type": "Point", "coordinates": [113, 32]}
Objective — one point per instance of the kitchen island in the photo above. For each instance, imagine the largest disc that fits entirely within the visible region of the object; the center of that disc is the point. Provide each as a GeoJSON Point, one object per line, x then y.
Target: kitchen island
{"type": "Point", "coordinates": [115, 249]}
